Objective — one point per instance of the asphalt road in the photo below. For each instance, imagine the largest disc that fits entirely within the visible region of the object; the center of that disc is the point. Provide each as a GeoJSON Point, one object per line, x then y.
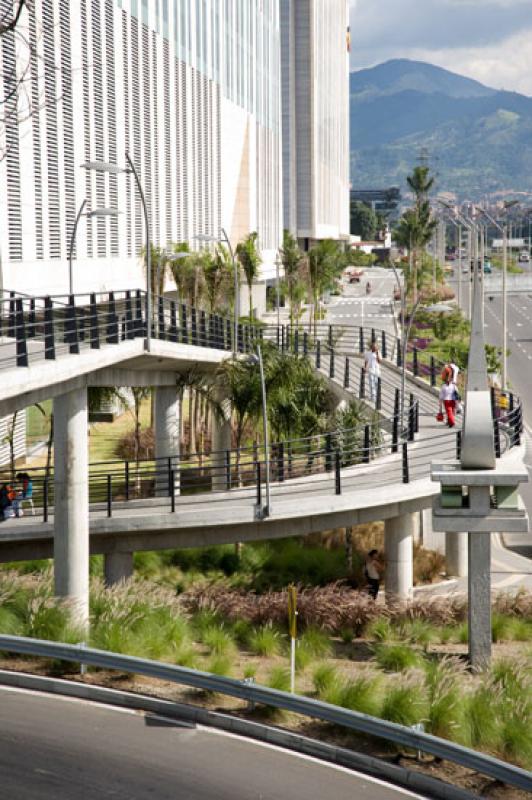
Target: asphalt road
{"type": "Point", "coordinates": [355, 307]}
{"type": "Point", "coordinates": [53, 748]}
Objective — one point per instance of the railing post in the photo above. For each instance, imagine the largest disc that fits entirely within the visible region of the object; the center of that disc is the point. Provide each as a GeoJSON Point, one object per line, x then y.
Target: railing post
{"type": "Point", "coordinates": [240, 344]}
{"type": "Point", "coordinates": [361, 340]}
{"type": "Point", "coordinates": [259, 485]}
{"type": "Point", "coordinates": [22, 345]}
{"type": "Point", "coordinates": [172, 490]}
{"type": "Point", "coordinates": [112, 321]}
{"type": "Point", "coordinates": [229, 328]}
{"type": "Point", "coordinates": [395, 427]}
{"type": "Point", "coordinates": [280, 462]}
{"type": "Point", "coordinates": [366, 455]}
{"type": "Point", "coordinates": [399, 353]}
{"type": "Point", "coordinates": [296, 342]}
{"type": "Point", "coordinates": [109, 496]}
{"type": "Point", "coordinates": [362, 388]}
{"type": "Point", "coordinates": [49, 333]}
{"type": "Point", "coordinates": [415, 366]}
{"type": "Point", "coordinates": [417, 416]}
{"type": "Point", "coordinates": [173, 322]}
{"type": "Point", "coordinates": [497, 438]}
{"type": "Point", "coordinates": [11, 320]}
{"type": "Point", "coordinates": [203, 329]}
{"type": "Point", "coordinates": [194, 326]}
{"type": "Point", "coordinates": [406, 472]}
{"type": "Point", "coordinates": [493, 403]}
{"type": "Point", "coordinates": [337, 473]}
{"type": "Point", "coordinates": [331, 364]}
{"type": "Point", "coordinates": [328, 452]}
{"type": "Point", "coordinates": [71, 328]}
{"type": "Point", "coordinates": [283, 340]}
{"type": "Point", "coordinates": [130, 333]}
{"type": "Point", "coordinates": [93, 322]}
{"type": "Point", "coordinates": [384, 351]}
{"type": "Point", "coordinates": [411, 419]}
{"type": "Point", "coordinates": [318, 354]}
{"type": "Point", "coordinates": [161, 334]}
{"type": "Point", "coordinates": [126, 479]}
{"type": "Point", "coordinates": [305, 343]}
{"type": "Point", "coordinates": [432, 371]}
{"type": "Point", "coordinates": [31, 320]}
{"type": "Point", "coordinates": [458, 445]}
{"type": "Point", "coordinates": [228, 470]}
{"type": "Point", "coordinates": [378, 401]}
{"type": "Point", "coordinates": [346, 374]}
{"type": "Point", "coordinates": [45, 500]}
{"type": "Point", "coordinates": [373, 336]}
{"type": "Point", "coordinates": [330, 336]}
{"type": "Point", "coordinates": [140, 328]}
{"type": "Point", "coordinates": [184, 326]}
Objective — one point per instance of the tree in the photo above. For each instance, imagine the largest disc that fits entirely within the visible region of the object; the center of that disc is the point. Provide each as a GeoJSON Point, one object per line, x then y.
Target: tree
{"type": "Point", "coordinates": [326, 262]}
{"type": "Point", "coordinates": [416, 226]}
{"type": "Point", "coordinates": [364, 221]}
{"type": "Point", "coordinates": [249, 257]}
{"type": "Point", "coordinates": [218, 279]}
{"type": "Point", "coordinates": [293, 261]}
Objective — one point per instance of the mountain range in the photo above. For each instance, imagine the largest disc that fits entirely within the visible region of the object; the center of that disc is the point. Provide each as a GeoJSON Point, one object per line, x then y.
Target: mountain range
{"type": "Point", "coordinates": [476, 139]}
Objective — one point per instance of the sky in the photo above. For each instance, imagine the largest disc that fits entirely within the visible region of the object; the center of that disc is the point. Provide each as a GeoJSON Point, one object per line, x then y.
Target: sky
{"type": "Point", "coordinates": [489, 40]}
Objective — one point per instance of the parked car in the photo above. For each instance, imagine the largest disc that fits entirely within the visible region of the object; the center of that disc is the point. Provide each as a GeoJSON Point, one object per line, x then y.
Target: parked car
{"type": "Point", "coordinates": [524, 257]}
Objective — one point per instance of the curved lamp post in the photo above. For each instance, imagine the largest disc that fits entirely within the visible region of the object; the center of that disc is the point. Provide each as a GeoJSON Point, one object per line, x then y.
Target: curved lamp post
{"type": "Point", "coordinates": [204, 237]}
{"type": "Point", "coordinates": [116, 169]}
{"type": "Point", "coordinates": [97, 212]}
{"type": "Point", "coordinates": [265, 510]}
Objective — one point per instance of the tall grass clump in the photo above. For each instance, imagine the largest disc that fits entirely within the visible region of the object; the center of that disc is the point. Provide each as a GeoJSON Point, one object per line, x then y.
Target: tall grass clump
{"type": "Point", "coordinates": [405, 704]}
{"type": "Point", "coordinates": [397, 657]}
{"type": "Point", "coordinates": [381, 630]}
{"type": "Point", "coordinates": [265, 641]}
{"type": "Point", "coordinates": [481, 718]}
{"type": "Point", "coordinates": [362, 693]}
{"type": "Point", "coordinates": [324, 678]}
{"type": "Point", "coordinates": [218, 640]}
{"type": "Point", "coordinates": [417, 631]}
{"type": "Point", "coordinates": [444, 681]}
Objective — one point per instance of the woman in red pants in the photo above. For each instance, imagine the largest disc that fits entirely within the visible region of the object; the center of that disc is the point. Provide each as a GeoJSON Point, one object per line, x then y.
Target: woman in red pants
{"type": "Point", "coordinates": [448, 400]}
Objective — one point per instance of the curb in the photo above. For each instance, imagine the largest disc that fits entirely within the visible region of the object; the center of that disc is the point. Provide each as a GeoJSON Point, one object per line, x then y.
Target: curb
{"type": "Point", "coordinates": [391, 773]}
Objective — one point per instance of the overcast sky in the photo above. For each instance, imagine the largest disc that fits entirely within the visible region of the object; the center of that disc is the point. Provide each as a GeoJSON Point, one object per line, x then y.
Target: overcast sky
{"type": "Point", "coordinates": [490, 40]}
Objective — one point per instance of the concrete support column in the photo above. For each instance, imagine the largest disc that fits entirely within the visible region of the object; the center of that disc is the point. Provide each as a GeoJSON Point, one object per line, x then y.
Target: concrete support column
{"type": "Point", "coordinates": [71, 504]}
{"type": "Point", "coordinates": [456, 554]}
{"type": "Point", "coordinates": [166, 424]}
{"type": "Point", "coordinates": [399, 535]}
{"type": "Point", "coordinates": [117, 567]}
{"type": "Point", "coordinates": [479, 587]}
{"type": "Point", "coordinates": [221, 444]}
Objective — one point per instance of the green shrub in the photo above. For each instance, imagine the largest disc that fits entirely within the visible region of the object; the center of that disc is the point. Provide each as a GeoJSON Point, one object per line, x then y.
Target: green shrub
{"type": "Point", "coordinates": [279, 678]}
{"type": "Point", "coordinates": [397, 657]}
{"type": "Point", "coordinates": [347, 635]}
{"type": "Point", "coordinates": [10, 623]}
{"type": "Point", "coordinates": [218, 640]}
{"type": "Point", "coordinates": [502, 628]}
{"type": "Point", "coordinates": [521, 630]}
{"type": "Point", "coordinates": [265, 641]}
{"type": "Point", "coordinates": [481, 717]}
{"type": "Point", "coordinates": [316, 643]}
{"type": "Point", "coordinates": [250, 671]}
{"type": "Point", "coordinates": [404, 704]}
{"type": "Point", "coordinates": [445, 716]}
{"type": "Point", "coordinates": [362, 694]}
{"type": "Point", "coordinates": [418, 632]}
{"type": "Point", "coordinates": [381, 630]}
{"type": "Point", "coordinates": [220, 665]}
{"type": "Point", "coordinates": [324, 678]}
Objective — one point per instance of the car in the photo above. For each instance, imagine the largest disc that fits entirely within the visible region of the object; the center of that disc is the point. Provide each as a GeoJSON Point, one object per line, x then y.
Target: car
{"type": "Point", "coordinates": [355, 276]}
{"type": "Point", "coordinates": [524, 257]}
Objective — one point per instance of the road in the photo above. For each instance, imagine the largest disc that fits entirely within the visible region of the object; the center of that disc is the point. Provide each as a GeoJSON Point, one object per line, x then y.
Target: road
{"type": "Point", "coordinates": [354, 307]}
{"type": "Point", "coordinates": [52, 747]}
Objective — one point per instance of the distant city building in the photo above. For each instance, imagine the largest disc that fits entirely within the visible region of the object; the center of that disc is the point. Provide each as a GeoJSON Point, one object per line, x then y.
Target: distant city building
{"type": "Point", "coordinates": [315, 102]}
{"type": "Point", "coordinates": [383, 201]}
{"type": "Point", "coordinates": [191, 88]}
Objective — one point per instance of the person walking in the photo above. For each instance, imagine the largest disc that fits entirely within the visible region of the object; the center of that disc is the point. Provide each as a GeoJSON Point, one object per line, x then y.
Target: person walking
{"type": "Point", "coordinates": [448, 395]}
{"type": "Point", "coordinates": [373, 572]}
{"type": "Point", "coordinates": [372, 362]}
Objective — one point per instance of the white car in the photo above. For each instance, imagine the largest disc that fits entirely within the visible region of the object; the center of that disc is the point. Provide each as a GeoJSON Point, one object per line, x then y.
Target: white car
{"type": "Point", "coordinates": [524, 257]}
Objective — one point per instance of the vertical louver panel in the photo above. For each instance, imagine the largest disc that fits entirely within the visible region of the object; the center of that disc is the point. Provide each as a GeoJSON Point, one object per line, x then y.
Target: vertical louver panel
{"type": "Point", "coordinates": [86, 117]}
{"type": "Point", "coordinates": [168, 199]}
{"type": "Point", "coordinates": [111, 118]}
{"type": "Point", "coordinates": [98, 122]}
{"type": "Point", "coordinates": [147, 116]}
{"type": "Point", "coordinates": [9, 75]}
{"type": "Point", "coordinates": [136, 77]}
{"type": "Point", "coordinates": [36, 134]}
{"type": "Point", "coordinates": [126, 53]}
{"type": "Point", "coordinates": [156, 221]}
{"type": "Point", "coordinates": [68, 122]}
{"type": "Point", "coordinates": [51, 99]}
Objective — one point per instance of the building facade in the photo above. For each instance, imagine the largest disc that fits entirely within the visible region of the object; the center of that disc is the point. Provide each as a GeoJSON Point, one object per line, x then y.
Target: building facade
{"type": "Point", "coordinates": [315, 103]}
{"type": "Point", "coordinates": [189, 88]}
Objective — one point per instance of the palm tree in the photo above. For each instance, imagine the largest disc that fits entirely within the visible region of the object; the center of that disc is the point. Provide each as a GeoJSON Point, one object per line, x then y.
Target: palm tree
{"type": "Point", "coordinates": [239, 381]}
{"type": "Point", "coordinates": [325, 264]}
{"type": "Point", "coordinates": [249, 257]}
{"type": "Point", "coordinates": [416, 226]}
{"type": "Point", "coordinates": [292, 259]}
{"type": "Point", "coordinates": [218, 278]}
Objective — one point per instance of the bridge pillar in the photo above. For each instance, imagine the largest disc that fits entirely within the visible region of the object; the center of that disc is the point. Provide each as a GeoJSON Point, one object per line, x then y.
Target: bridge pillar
{"type": "Point", "coordinates": [117, 567]}
{"type": "Point", "coordinates": [221, 445]}
{"type": "Point", "coordinates": [71, 504]}
{"type": "Point", "coordinates": [166, 423]}
{"type": "Point", "coordinates": [456, 554]}
{"type": "Point", "coordinates": [399, 535]}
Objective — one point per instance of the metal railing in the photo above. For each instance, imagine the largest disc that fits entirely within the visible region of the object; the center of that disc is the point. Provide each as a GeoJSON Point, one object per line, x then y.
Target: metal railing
{"type": "Point", "coordinates": [252, 693]}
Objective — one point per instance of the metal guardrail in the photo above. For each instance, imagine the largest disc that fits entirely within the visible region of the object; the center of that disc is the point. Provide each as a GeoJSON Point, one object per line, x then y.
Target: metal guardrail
{"type": "Point", "coordinates": [362, 723]}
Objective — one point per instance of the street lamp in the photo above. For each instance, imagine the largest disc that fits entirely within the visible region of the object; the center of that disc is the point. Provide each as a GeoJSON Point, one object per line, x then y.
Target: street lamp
{"type": "Point", "coordinates": [203, 237]}
{"type": "Point", "coordinates": [97, 212]}
{"type": "Point", "coordinates": [116, 169]}
{"type": "Point", "coordinates": [264, 511]}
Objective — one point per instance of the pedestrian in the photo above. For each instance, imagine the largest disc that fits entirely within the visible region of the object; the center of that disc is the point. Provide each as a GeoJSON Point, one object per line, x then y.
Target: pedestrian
{"type": "Point", "coordinates": [372, 362]}
{"type": "Point", "coordinates": [368, 288]}
{"type": "Point", "coordinates": [448, 396]}
{"type": "Point", "coordinates": [373, 569]}
{"type": "Point", "coordinates": [451, 370]}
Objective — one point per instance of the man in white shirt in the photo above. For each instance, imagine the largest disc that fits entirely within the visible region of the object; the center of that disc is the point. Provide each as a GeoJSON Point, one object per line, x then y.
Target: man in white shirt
{"type": "Point", "coordinates": [372, 361]}
{"type": "Point", "coordinates": [448, 401]}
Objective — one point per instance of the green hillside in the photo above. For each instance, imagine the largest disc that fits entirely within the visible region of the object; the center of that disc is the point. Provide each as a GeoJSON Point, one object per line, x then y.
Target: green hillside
{"type": "Point", "coordinates": [478, 140]}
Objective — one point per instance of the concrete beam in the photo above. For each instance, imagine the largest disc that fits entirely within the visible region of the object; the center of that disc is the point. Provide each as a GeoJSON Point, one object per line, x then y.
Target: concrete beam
{"type": "Point", "coordinates": [114, 376]}
{"type": "Point", "coordinates": [71, 491]}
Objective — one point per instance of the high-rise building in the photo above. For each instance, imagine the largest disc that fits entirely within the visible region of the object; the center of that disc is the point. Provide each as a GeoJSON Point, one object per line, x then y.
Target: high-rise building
{"type": "Point", "coordinates": [315, 103]}
{"type": "Point", "coordinates": [190, 88]}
